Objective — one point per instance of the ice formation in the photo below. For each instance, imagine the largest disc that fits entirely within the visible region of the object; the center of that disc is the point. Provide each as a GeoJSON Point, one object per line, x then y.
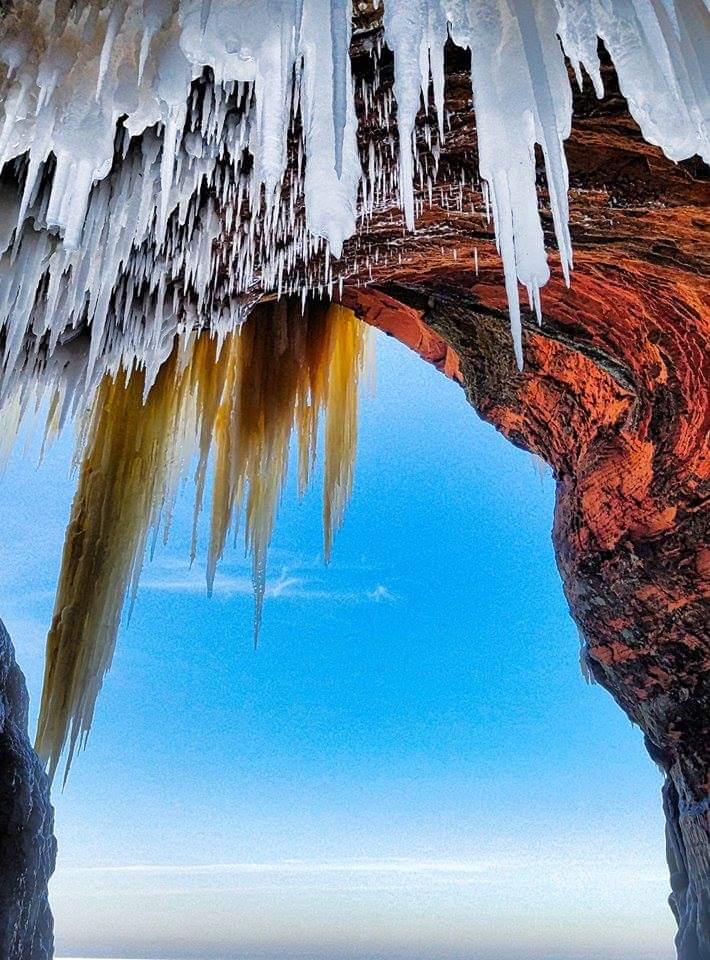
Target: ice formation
{"type": "Point", "coordinates": [166, 164]}
{"type": "Point", "coordinates": [170, 160]}
{"type": "Point", "coordinates": [241, 398]}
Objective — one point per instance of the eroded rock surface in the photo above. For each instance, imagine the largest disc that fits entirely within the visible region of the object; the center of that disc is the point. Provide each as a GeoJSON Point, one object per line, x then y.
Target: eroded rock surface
{"type": "Point", "coordinates": [27, 844]}
{"type": "Point", "coordinates": [615, 397]}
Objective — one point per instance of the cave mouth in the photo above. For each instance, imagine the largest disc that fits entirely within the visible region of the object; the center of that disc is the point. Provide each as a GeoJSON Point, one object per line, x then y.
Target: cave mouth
{"type": "Point", "coordinates": [445, 360]}
{"type": "Point", "coordinates": [163, 163]}
{"type": "Point", "coordinates": [608, 398]}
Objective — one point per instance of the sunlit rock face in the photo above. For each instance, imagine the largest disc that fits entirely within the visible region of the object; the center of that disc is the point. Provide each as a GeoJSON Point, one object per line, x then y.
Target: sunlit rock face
{"type": "Point", "coordinates": [27, 846]}
{"type": "Point", "coordinates": [169, 164]}
{"type": "Point", "coordinates": [615, 396]}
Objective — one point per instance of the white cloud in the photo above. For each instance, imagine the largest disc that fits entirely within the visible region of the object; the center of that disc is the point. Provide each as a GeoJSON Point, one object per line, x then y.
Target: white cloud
{"type": "Point", "coordinates": [381, 594]}
{"type": "Point", "coordinates": [400, 865]}
{"type": "Point", "coordinates": [289, 585]}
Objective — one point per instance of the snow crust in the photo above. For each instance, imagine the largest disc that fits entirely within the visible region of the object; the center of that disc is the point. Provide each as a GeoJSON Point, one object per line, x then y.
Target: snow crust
{"type": "Point", "coordinates": [147, 200]}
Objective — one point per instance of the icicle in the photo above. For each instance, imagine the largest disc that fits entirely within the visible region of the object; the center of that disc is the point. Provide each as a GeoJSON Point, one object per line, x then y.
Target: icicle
{"type": "Point", "coordinates": [404, 24]}
{"type": "Point", "coordinates": [112, 27]}
{"type": "Point", "coordinates": [340, 25]}
{"type": "Point", "coordinates": [124, 213]}
{"type": "Point", "coordinates": [246, 395]}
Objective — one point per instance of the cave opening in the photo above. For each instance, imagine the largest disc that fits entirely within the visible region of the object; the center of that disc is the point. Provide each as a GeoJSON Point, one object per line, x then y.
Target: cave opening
{"type": "Point", "coordinates": [447, 644]}
{"type": "Point", "coordinates": [165, 164]}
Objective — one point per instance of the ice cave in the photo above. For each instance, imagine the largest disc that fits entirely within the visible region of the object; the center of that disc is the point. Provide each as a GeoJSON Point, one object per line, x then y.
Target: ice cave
{"type": "Point", "coordinates": [205, 205]}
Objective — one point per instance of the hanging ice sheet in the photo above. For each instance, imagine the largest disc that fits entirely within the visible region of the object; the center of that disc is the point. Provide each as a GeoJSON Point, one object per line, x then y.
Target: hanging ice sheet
{"type": "Point", "coordinates": [96, 240]}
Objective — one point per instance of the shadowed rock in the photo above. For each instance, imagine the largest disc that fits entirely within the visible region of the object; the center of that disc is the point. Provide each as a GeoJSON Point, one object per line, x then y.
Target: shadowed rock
{"type": "Point", "coordinates": [27, 844]}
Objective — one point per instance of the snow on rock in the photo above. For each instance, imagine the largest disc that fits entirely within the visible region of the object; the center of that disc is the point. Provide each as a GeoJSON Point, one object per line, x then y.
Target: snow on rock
{"type": "Point", "coordinates": [146, 198]}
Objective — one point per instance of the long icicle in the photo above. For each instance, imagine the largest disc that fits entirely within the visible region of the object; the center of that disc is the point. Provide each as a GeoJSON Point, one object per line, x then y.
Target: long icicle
{"type": "Point", "coordinates": [125, 461]}
{"type": "Point", "coordinates": [281, 374]}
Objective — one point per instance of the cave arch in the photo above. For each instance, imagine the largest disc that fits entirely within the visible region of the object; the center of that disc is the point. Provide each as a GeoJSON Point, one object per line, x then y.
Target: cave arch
{"type": "Point", "coordinates": [614, 395]}
{"type": "Point", "coordinates": [612, 400]}
{"type": "Point", "coordinates": [609, 398]}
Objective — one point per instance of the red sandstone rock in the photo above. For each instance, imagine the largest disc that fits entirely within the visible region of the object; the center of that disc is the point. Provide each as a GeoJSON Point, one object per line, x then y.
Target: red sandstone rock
{"type": "Point", "coordinates": [615, 397]}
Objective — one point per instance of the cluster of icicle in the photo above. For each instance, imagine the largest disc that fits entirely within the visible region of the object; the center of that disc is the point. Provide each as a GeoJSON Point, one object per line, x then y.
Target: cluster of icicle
{"type": "Point", "coordinates": [235, 403]}
{"type": "Point", "coordinates": [145, 191]}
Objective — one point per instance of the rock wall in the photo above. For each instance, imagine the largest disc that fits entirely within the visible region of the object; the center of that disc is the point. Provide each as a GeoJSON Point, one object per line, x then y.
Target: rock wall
{"type": "Point", "coordinates": [615, 396]}
{"type": "Point", "coordinates": [27, 844]}
{"type": "Point", "coordinates": [631, 520]}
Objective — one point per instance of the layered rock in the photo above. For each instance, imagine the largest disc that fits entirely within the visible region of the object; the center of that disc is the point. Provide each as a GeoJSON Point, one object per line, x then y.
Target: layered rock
{"type": "Point", "coordinates": [614, 396]}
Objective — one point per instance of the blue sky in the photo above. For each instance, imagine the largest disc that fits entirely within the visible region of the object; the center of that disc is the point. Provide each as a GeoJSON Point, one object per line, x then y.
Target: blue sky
{"type": "Point", "coordinates": [410, 767]}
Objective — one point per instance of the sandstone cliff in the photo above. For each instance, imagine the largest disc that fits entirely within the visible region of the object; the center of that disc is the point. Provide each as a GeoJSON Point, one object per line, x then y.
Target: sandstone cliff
{"type": "Point", "coordinates": [614, 396]}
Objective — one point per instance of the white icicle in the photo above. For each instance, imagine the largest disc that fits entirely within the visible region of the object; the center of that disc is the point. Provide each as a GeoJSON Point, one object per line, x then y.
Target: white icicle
{"type": "Point", "coordinates": [141, 188]}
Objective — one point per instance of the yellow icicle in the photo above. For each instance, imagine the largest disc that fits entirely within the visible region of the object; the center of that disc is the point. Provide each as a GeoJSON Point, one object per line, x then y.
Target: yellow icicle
{"type": "Point", "coordinates": [280, 374]}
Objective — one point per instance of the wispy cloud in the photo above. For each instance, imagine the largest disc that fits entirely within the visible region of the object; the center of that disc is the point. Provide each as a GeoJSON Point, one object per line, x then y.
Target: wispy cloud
{"type": "Point", "coordinates": [402, 865]}
{"type": "Point", "coordinates": [289, 585]}
{"type": "Point", "coordinates": [523, 870]}
{"type": "Point", "coordinates": [381, 594]}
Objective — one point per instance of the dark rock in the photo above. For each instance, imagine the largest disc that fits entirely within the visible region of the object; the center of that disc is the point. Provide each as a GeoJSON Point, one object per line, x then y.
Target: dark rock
{"type": "Point", "coordinates": [688, 847]}
{"type": "Point", "coordinates": [27, 844]}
